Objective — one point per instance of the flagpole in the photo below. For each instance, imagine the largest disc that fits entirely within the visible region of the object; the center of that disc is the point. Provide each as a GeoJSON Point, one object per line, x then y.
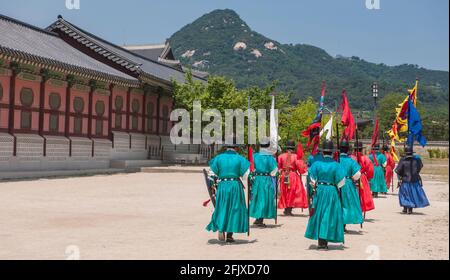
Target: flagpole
{"type": "Point", "coordinates": [249, 183]}
{"type": "Point", "coordinates": [337, 140]}
{"type": "Point", "coordinates": [359, 162]}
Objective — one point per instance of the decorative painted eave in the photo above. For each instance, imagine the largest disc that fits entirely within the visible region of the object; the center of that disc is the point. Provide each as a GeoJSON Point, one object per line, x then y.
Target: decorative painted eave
{"type": "Point", "coordinates": [53, 65]}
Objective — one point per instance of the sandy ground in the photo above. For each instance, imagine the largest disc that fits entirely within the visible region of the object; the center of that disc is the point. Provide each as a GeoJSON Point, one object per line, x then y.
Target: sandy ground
{"type": "Point", "coordinates": [160, 216]}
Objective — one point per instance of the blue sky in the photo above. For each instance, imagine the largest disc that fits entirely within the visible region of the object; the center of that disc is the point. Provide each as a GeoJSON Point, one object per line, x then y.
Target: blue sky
{"type": "Point", "coordinates": [402, 31]}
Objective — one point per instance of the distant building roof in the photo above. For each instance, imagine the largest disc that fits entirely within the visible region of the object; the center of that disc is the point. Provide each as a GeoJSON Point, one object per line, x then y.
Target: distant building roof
{"type": "Point", "coordinates": [157, 52]}
{"type": "Point", "coordinates": [27, 42]}
{"type": "Point", "coordinates": [127, 60]}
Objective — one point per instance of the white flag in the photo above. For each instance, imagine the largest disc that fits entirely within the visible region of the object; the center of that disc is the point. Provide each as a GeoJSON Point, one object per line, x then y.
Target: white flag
{"type": "Point", "coordinates": [328, 129]}
{"type": "Point", "coordinates": [273, 128]}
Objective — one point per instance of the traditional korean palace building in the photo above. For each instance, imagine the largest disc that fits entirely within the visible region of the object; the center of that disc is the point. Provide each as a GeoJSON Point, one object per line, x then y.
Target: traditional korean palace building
{"type": "Point", "coordinates": [71, 100]}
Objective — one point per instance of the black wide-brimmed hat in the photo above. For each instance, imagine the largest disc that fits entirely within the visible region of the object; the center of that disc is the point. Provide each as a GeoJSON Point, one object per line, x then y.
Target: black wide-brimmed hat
{"type": "Point", "coordinates": [290, 145]}
{"type": "Point", "coordinates": [264, 143]}
{"type": "Point", "coordinates": [327, 146]}
{"type": "Point", "coordinates": [233, 145]}
{"type": "Point", "coordinates": [344, 144]}
{"type": "Point", "coordinates": [359, 146]}
{"type": "Point", "coordinates": [409, 151]}
{"type": "Point", "coordinates": [385, 148]}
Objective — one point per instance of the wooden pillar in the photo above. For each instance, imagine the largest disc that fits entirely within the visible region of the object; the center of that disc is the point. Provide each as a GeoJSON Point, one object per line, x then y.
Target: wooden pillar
{"type": "Point", "coordinates": [70, 82]}
{"type": "Point", "coordinates": [128, 109]}
{"type": "Point", "coordinates": [144, 113]}
{"type": "Point", "coordinates": [90, 110]}
{"type": "Point", "coordinates": [12, 103]}
{"type": "Point", "coordinates": [158, 112]}
{"type": "Point", "coordinates": [44, 79]}
{"type": "Point", "coordinates": [110, 104]}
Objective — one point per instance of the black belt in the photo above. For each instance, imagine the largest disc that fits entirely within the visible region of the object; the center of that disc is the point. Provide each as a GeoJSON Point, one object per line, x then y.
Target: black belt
{"type": "Point", "coordinates": [262, 174]}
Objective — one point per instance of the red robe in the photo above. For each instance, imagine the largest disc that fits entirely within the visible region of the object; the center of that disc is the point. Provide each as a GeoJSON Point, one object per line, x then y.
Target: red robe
{"type": "Point", "coordinates": [365, 194]}
{"type": "Point", "coordinates": [389, 171]}
{"type": "Point", "coordinates": [294, 194]}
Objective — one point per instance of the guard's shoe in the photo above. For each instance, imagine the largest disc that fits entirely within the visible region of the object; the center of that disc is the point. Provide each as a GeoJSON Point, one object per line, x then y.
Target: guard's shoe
{"type": "Point", "coordinates": [410, 211]}
{"type": "Point", "coordinates": [405, 210]}
{"type": "Point", "coordinates": [258, 222]}
{"type": "Point", "coordinates": [323, 245]}
{"type": "Point", "coordinates": [230, 238]}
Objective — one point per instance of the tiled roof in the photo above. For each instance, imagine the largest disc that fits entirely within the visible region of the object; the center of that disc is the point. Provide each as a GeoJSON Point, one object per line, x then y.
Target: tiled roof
{"type": "Point", "coordinates": [157, 52]}
{"type": "Point", "coordinates": [125, 58]}
{"type": "Point", "coordinates": [21, 40]}
{"type": "Point", "coordinates": [152, 52]}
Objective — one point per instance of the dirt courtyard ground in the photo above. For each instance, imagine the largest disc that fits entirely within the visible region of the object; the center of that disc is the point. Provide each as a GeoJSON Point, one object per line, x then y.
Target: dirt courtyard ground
{"type": "Point", "coordinates": [160, 216]}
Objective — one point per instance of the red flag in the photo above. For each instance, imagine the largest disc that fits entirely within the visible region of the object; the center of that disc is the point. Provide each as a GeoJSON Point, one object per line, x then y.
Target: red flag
{"type": "Point", "coordinates": [374, 141]}
{"type": "Point", "coordinates": [250, 158]}
{"type": "Point", "coordinates": [347, 118]}
{"type": "Point", "coordinates": [300, 153]}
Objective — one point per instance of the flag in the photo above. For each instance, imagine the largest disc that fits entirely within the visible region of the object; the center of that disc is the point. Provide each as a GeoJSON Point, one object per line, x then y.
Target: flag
{"type": "Point", "coordinates": [250, 158]}
{"type": "Point", "coordinates": [402, 110]}
{"type": "Point", "coordinates": [401, 120]}
{"type": "Point", "coordinates": [328, 129]}
{"type": "Point", "coordinates": [374, 141]}
{"type": "Point", "coordinates": [273, 128]}
{"type": "Point", "coordinates": [313, 131]}
{"type": "Point", "coordinates": [414, 126]}
{"type": "Point", "coordinates": [347, 118]}
{"type": "Point", "coordinates": [300, 153]}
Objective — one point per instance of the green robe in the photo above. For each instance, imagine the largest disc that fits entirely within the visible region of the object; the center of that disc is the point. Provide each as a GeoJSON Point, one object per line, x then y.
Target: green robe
{"type": "Point", "coordinates": [230, 214]}
{"type": "Point", "coordinates": [378, 182]}
{"type": "Point", "coordinates": [351, 203]}
{"type": "Point", "coordinates": [327, 221]}
{"type": "Point", "coordinates": [262, 204]}
{"type": "Point", "coordinates": [311, 160]}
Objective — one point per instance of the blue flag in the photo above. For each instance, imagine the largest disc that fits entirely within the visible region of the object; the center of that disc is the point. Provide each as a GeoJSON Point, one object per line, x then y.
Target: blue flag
{"type": "Point", "coordinates": [414, 126]}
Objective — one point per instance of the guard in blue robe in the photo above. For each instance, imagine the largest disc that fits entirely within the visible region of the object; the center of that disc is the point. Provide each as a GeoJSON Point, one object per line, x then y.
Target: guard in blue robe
{"type": "Point", "coordinates": [411, 194]}
{"type": "Point", "coordinates": [326, 223]}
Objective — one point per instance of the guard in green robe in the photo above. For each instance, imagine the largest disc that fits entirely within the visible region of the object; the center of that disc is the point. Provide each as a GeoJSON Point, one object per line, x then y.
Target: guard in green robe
{"type": "Point", "coordinates": [230, 215]}
{"type": "Point", "coordinates": [351, 204]}
{"type": "Point", "coordinates": [311, 160]}
{"type": "Point", "coordinates": [262, 204]}
{"type": "Point", "coordinates": [326, 223]}
{"type": "Point", "coordinates": [378, 182]}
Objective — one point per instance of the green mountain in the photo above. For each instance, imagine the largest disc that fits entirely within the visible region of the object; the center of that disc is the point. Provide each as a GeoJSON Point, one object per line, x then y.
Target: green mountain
{"type": "Point", "coordinates": [221, 43]}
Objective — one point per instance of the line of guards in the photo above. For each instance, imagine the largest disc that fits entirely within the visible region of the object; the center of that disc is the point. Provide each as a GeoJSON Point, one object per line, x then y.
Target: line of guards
{"type": "Point", "coordinates": [338, 193]}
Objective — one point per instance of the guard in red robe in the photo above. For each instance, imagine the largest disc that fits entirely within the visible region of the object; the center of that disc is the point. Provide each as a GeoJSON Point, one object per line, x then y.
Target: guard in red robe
{"type": "Point", "coordinates": [365, 194]}
{"type": "Point", "coordinates": [390, 166]}
{"type": "Point", "coordinates": [292, 190]}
